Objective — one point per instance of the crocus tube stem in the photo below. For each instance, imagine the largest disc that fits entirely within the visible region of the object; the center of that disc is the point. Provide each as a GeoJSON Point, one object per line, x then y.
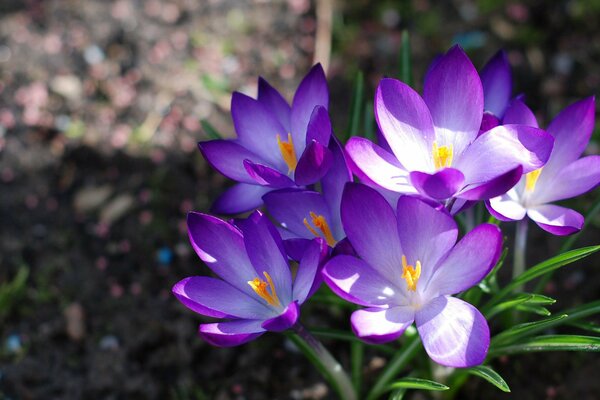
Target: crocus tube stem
{"type": "Point", "coordinates": [329, 367]}
{"type": "Point", "coordinates": [520, 249]}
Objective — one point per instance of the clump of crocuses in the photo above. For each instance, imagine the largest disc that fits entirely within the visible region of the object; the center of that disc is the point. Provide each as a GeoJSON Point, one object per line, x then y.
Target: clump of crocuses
{"type": "Point", "coordinates": [389, 243]}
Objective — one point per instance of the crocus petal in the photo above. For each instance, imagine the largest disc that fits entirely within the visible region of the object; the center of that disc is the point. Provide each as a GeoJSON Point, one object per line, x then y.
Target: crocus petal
{"type": "Point", "coordinates": [307, 278]}
{"type": "Point", "coordinates": [376, 325]}
{"type": "Point", "coordinates": [572, 129]}
{"type": "Point", "coordinates": [221, 246]}
{"type": "Point", "coordinates": [319, 126]}
{"type": "Point", "coordinates": [240, 198]}
{"type": "Point", "coordinates": [454, 95]}
{"type": "Point", "coordinates": [494, 187]}
{"type": "Point", "coordinates": [440, 185]}
{"type": "Point", "coordinates": [454, 333]}
{"type": "Point", "coordinates": [227, 157]}
{"type": "Point", "coordinates": [404, 120]}
{"type": "Point", "coordinates": [576, 178]}
{"type": "Point", "coordinates": [488, 122]}
{"type": "Point", "coordinates": [233, 333]}
{"type": "Point", "coordinates": [378, 165]}
{"type": "Point", "coordinates": [468, 262]}
{"type": "Point", "coordinates": [506, 207]}
{"type": "Point", "coordinates": [216, 298]}
{"type": "Point", "coordinates": [313, 164]}
{"type": "Point", "coordinates": [332, 185]}
{"type": "Point", "coordinates": [264, 175]}
{"type": "Point", "coordinates": [502, 149]}
{"type": "Point", "coordinates": [496, 80]}
{"type": "Point", "coordinates": [273, 101]}
{"type": "Point", "coordinates": [257, 129]}
{"type": "Point", "coordinates": [518, 113]}
{"type": "Point", "coordinates": [356, 281]}
{"type": "Point", "coordinates": [285, 320]}
{"type": "Point", "coordinates": [311, 93]}
{"type": "Point", "coordinates": [295, 247]}
{"type": "Point", "coordinates": [370, 225]}
{"type": "Point", "coordinates": [426, 234]}
{"type": "Point", "coordinates": [266, 252]}
{"type": "Point", "coordinates": [557, 220]}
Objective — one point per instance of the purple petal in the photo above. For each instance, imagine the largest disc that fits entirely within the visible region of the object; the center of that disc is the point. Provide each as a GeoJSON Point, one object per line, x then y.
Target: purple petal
{"type": "Point", "coordinates": [370, 225]}
{"type": "Point", "coordinates": [454, 95]}
{"type": "Point", "coordinates": [332, 185]}
{"type": "Point", "coordinates": [264, 175]}
{"type": "Point", "coordinates": [501, 150]}
{"type": "Point", "coordinates": [273, 101]}
{"type": "Point", "coordinates": [496, 79]}
{"type": "Point", "coordinates": [240, 198]}
{"type": "Point", "coordinates": [221, 246]}
{"type": "Point", "coordinates": [356, 281]}
{"type": "Point", "coordinates": [234, 333]}
{"type": "Point", "coordinates": [518, 113]}
{"type": "Point", "coordinates": [454, 333]}
{"type": "Point", "coordinates": [216, 298]}
{"type": "Point", "coordinates": [376, 325]}
{"type": "Point", "coordinates": [572, 129]}
{"type": "Point", "coordinates": [494, 187]}
{"type": "Point", "coordinates": [308, 278]}
{"type": "Point", "coordinates": [257, 129]}
{"type": "Point", "coordinates": [312, 92]}
{"type": "Point", "coordinates": [488, 122]}
{"type": "Point", "coordinates": [284, 321]}
{"type": "Point", "coordinates": [319, 126]}
{"type": "Point", "coordinates": [426, 234]}
{"type": "Point", "coordinates": [378, 165]}
{"type": "Point", "coordinates": [266, 252]}
{"type": "Point", "coordinates": [557, 220]}
{"type": "Point", "coordinates": [506, 207]}
{"type": "Point", "coordinates": [313, 164]}
{"type": "Point", "coordinates": [577, 178]}
{"type": "Point", "coordinates": [295, 248]}
{"type": "Point", "coordinates": [404, 120]}
{"type": "Point", "coordinates": [468, 262]}
{"type": "Point", "coordinates": [227, 157]}
{"type": "Point", "coordinates": [440, 185]}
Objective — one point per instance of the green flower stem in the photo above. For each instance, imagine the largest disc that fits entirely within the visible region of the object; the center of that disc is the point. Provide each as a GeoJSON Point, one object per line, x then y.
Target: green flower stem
{"type": "Point", "coordinates": [328, 366]}
{"type": "Point", "coordinates": [520, 250]}
{"type": "Point", "coordinates": [394, 366]}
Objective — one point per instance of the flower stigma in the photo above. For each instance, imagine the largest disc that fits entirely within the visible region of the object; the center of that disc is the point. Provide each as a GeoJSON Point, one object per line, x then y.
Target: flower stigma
{"type": "Point", "coordinates": [531, 179]}
{"type": "Point", "coordinates": [287, 152]}
{"type": "Point", "coordinates": [442, 156]}
{"type": "Point", "coordinates": [411, 274]}
{"type": "Point", "coordinates": [265, 290]}
{"type": "Point", "coordinates": [320, 223]}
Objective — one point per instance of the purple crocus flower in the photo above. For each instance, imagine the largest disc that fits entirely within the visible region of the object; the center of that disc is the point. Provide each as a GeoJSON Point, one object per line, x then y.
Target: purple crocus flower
{"type": "Point", "coordinates": [565, 175]}
{"type": "Point", "coordinates": [436, 148]}
{"type": "Point", "coordinates": [255, 292]}
{"type": "Point", "coordinates": [304, 214]}
{"type": "Point", "coordinates": [278, 146]}
{"type": "Point", "coordinates": [409, 267]}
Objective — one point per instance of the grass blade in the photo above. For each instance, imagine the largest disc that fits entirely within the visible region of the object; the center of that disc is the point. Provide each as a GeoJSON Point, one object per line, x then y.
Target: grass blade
{"type": "Point", "coordinates": [491, 376]}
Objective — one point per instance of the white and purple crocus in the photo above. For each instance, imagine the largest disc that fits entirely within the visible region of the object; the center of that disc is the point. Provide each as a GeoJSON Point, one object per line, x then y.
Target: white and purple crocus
{"type": "Point", "coordinates": [277, 146]}
{"type": "Point", "coordinates": [255, 291]}
{"type": "Point", "coordinates": [409, 266]}
{"type": "Point", "coordinates": [437, 149]}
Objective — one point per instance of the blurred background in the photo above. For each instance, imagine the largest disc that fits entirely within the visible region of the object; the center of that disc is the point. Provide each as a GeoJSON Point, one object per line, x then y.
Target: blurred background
{"type": "Point", "coordinates": [101, 104]}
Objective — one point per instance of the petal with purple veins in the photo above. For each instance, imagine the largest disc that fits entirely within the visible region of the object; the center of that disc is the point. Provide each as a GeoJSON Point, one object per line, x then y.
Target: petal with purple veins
{"type": "Point", "coordinates": [440, 185]}
{"type": "Point", "coordinates": [267, 176]}
{"type": "Point", "coordinates": [506, 207]}
{"type": "Point", "coordinates": [272, 100]}
{"type": "Point", "coordinates": [313, 164]}
{"type": "Point", "coordinates": [285, 320]}
{"type": "Point", "coordinates": [311, 92]}
{"type": "Point", "coordinates": [227, 157]}
{"type": "Point", "coordinates": [240, 198]}
{"type": "Point", "coordinates": [557, 220]}
{"type": "Point", "coordinates": [233, 333]}
{"type": "Point", "coordinates": [518, 113]}
{"type": "Point", "coordinates": [496, 79]}
{"type": "Point", "coordinates": [375, 325]}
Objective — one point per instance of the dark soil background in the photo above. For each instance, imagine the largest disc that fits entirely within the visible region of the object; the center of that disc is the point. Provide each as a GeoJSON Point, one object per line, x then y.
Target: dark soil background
{"type": "Point", "coordinates": [100, 109]}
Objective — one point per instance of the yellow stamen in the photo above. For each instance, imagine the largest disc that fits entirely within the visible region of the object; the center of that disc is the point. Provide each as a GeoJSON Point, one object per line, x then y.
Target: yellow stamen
{"type": "Point", "coordinates": [531, 179]}
{"type": "Point", "coordinates": [411, 274]}
{"type": "Point", "coordinates": [320, 223]}
{"type": "Point", "coordinates": [260, 287]}
{"type": "Point", "coordinates": [442, 156]}
{"type": "Point", "coordinates": [287, 152]}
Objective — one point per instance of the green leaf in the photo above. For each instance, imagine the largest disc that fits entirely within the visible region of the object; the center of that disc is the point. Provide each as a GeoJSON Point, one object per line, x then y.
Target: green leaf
{"type": "Point", "coordinates": [586, 326]}
{"type": "Point", "coordinates": [210, 130]}
{"type": "Point", "coordinates": [549, 343]}
{"type": "Point", "coordinates": [528, 328]}
{"type": "Point", "coordinates": [11, 292]}
{"type": "Point", "coordinates": [416, 383]}
{"type": "Point", "coordinates": [534, 309]}
{"type": "Point", "coordinates": [405, 60]}
{"type": "Point", "coordinates": [357, 104]}
{"type": "Point", "coordinates": [491, 376]}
